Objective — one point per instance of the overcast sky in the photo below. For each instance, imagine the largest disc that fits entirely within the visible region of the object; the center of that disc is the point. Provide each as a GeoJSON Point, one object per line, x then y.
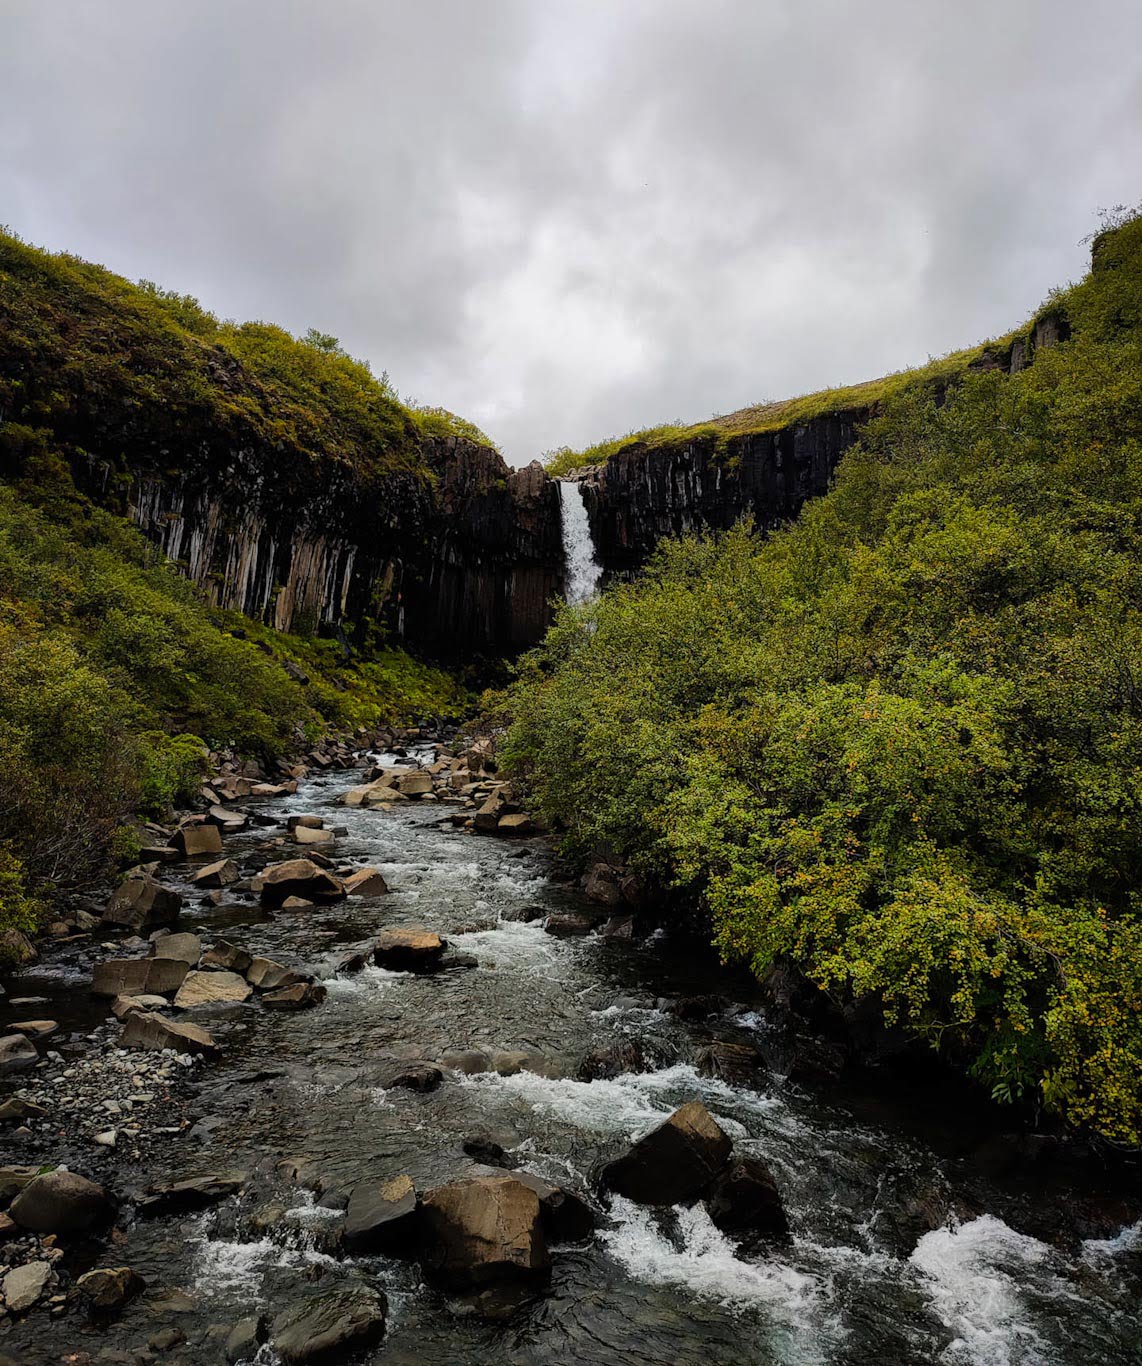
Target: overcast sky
{"type": "Point", "coordinates": [564, 219]}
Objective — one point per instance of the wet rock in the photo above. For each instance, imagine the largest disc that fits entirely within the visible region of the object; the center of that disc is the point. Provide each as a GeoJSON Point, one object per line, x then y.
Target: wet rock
{"type": "Point", "coordinates": [330, 1328]}
{"type": "Point", "coordinates": [366, 882]}
{"type": "Point", "coordinates": [230, 957]}
{"type": "Point", "coordinates": [618, 927]}
{"type": "Point", "coordinates": [736, 1063]}
{"type": "Point", "coordinates": [694, 1008]}
{"type": "Point", "coordinates": [567, 1217]}
{"type": "Point", "coordinates": [612, 1060]}
{"type": "Point", "coordinates": [210, 988]}
{"type": "Point", "coordinates": [510, 1061]}
{"type": "Point", "coordinates": [525, 914]}
{"type": "Point", "coordinates": [814, 1062]}
{"type": "Point", "coordinates": [223, 873]}
{"type": "Point", "coordinates": [483, 1230]}
{"type": "Point", "coordinates": [299, 877]}
{"type": "Point", "coordinates": [17, 1053]}
{"type": "Point", "coordinates": [142, 903]}
{"type": "Point", "coordinates": [601, 885]}
{"type": "Point", "coordinates": [417, 1076]}
{"type": "Point", "coordinates": [144, 1029]}
{"type": "Point", "coordinates": [381, 1217]}
{"type": "Point", "coordinates": [24, 1285]}
{"type": "Point", "coordinates": [109, 1289]}
{"type": "Point", "coordinates": [183, 948]}
{"type": "Point", "coordinates": [452, 961]}
{"type": "Point", "coordinates": [137, 977]}
{"type": "Point", "coordinates": [467, 1060]}
{"type": "Point", "coordinates": [490, 1153]}
{"type": "Point", "coordinates": [60, 1202]}
{"type": "Point", "coordinates": [267, 975]}
{"type": "Point", "coordinates": [304, 823]}
{"type": "Point", "coordinates": [569, 924]}
{"type": "Point", "coordinates": [745, 1199]}
{"type": "Point", "coordinates": [245, 1338]}
{"type": "Point", "coordinates": [191, 841]}
{"type": "Point", "coordinates": [194, 1193]}
{"type": "Point", "coordinates": [412, 949]}
{"type": "Point", "coordinates": [165, 1340]}
{"type": "Point", "coordinates": [299, 996]}
{"type": "Point", "coordinates": [674, 1162]}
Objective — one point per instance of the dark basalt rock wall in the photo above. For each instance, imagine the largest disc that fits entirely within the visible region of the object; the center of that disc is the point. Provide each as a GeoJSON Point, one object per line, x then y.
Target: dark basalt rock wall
{"type": "Point", "coordinates": [642, 495]}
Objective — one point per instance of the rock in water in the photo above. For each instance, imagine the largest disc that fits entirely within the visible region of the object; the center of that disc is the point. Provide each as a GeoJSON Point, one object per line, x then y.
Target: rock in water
{"type": "Point", "coordinates": [482, 1231]}
{"type": "Point", "coordinates": [745, 1199]}
{"type": "Point", "coordinates": [196, 1192]}
{"type": "Point", "coordinates": [196, 839]}
{"type": "Point", "coordinates": [299, 996]}
{"type": "Point", "coordinates": [109, 1289]}
{"type": "Point", "coordinates": [382, 1217]}
{"type": "Point", "coordinates": [299, 877]}
{"type": "Point", "coordinates": [414, 949]}
{"type": "Point", "coordinates": [142, 903]}
{"type": "Point", "coordinates": [144, 1029]}
{"type": "Point", "coordinates": [24, 1286]}
{"type": "Point", "coordinates": [245, 1338]}
{"type": "Point", "coordinates": [223, 873]}
{"type": "Point", "coordinates": [210, 988]}
{"type": "Point", "coordinates": [366, 882]}
{"type": "Point", "coordinates": [60, 1202]}
{"type": "Point", "coordinates": [223, 954]}
{"type": "Point", "coordinates": [673, 1163]}
{"type": "Point", "coordinates": [137, 976]}
{"type": "Point", "coordinates": [184, 948]}
{"type": "Point", "coordinates": [330, 1328]}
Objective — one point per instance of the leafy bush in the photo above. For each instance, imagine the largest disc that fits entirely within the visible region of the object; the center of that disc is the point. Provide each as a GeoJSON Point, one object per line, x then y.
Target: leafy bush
{"type": "Point", "coordinates": [899, 743]}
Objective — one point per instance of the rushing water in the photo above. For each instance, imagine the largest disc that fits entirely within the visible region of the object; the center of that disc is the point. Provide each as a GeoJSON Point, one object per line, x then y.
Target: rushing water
{"type": "Point", "coordinates": [299, 1102]}
{"type": "Point", "coordinates": [582, 568]}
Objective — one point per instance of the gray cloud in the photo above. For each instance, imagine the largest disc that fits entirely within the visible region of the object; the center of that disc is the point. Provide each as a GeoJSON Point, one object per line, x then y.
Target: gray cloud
{"type": "Point", "coordinates": [564, 221]}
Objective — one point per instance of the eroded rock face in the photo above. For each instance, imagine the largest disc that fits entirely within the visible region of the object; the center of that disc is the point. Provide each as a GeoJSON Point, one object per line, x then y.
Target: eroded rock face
{"type": "Point", "coordinates": [482, 1231]}
{"type": "Point", "coordinates": [673, 1163]}
{"type": "Point", "coordinates": [331, 1327]}
{"type": "Point", "coordinates": [60, 1202]}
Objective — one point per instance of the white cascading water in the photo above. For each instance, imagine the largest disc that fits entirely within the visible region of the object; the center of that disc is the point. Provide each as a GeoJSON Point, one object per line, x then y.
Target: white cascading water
{"type": "Point", "coordinates": [583, 569]}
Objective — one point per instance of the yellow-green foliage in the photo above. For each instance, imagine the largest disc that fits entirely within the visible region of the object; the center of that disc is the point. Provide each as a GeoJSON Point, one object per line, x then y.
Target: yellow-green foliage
{"type": "Point", "coordinates": [719, 432]}
{"type": "Point", "coordinates": [901, 743]}
{"type": "Point", "coordinates": [115, 677]}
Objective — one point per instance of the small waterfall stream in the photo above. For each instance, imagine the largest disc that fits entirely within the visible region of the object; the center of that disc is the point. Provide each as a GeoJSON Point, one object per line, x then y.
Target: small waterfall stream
{"type": "Point", "coordinates": [583, 570]}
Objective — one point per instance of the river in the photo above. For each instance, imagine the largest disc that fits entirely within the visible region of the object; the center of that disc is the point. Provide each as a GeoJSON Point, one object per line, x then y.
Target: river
{"type": "Point", "coordinates": [297, 1101]}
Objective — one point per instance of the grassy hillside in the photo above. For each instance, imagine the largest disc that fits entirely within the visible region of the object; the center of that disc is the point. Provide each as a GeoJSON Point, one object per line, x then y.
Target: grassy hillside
{"type": "Point", "coordinates": [771, 417]}
{"type": "Point", "coordinates": [900, 743]}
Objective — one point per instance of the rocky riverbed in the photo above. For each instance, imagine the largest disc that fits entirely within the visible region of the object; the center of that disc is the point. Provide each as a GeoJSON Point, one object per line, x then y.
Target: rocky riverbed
{"type": "Point", "coordinates": [492, 1123]}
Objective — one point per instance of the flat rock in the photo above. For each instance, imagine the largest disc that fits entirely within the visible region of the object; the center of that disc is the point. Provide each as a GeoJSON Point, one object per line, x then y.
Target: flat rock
{"type": "Point", "coordinates": [267, 975]}
{"type": "Point", "coordinates": [183, 948]}
{"type": "Point", "coordinates": [299, 877]}
{"type": "Point", "coordinates": [145, 1029]}
{"type": "Point", "coordinates": [331, 1327]}
{"type": "Point", "coordinates": [138, 976]}
{"type": "Point", "coordinates": [307, 834]}
{"type": "Point", "coordinates": [569, 924]}
{"type": "Point", "coordinates": [408, 949]}
{"type": "Point", "coordinates": [483, 1230]}
{"type": "Point", "coordinates": [191, 841]}
{"type": "Point", "coordinates": [382, 1216]}
{"type": "Point", "coordinates": [24, 1285]}
{"type": "Point", "coordinates": [122, 1006]}
{"type": "Point", "coordinates": [60, 1202]}
{"type": "Point", "coordinates": [674, 1162]}
{"type": "Point", "coordinates": [245, 1338]}
{"type": "Point", "coordinates": [210, 988]}
{"type": "Point", "coordinates": [193, 1193]}
{"type": "Point", "coordinates": [35, 1029]}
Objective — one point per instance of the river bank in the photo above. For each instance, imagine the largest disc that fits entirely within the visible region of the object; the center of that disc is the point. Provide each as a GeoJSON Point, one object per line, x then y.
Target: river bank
{"type": "Point", "coordinates": [918, 1234]}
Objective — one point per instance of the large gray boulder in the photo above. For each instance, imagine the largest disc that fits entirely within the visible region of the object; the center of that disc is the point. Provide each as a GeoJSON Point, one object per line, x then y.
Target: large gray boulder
{"type": "Point", "coordinates": [60, 1202]}
{"type": "Point", "coordinates": [482, 1231]}
{"type": "Point", "coordinates": [142, 903]}
{"type": "Point", "coordinates": [382, 1217]}
{"type": "Point", "coordinates": [331, 1327]}
{"type": "Point", "coordinates": [673, 1163]}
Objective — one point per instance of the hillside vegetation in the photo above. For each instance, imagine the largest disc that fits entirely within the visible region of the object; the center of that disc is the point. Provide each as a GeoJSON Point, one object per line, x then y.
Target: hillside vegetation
{"type": "Point", "coordinates": [899, 743]}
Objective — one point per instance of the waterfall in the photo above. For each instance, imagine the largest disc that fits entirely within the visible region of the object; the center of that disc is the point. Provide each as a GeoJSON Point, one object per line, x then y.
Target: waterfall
{"type": "Point", "coordinates": [583, 569]}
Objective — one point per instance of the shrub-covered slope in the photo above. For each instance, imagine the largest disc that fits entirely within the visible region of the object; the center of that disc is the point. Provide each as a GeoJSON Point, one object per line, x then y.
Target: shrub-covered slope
{"type": "Point", "coordinates": [900, 742]}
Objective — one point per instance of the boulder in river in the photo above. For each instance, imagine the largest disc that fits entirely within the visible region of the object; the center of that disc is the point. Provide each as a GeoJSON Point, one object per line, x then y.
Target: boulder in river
{"type": "Point", "coordinates": [193, 1193]}
{"type": "Point", "coordinates": [612, 1060]}
{"type": "Point", "coordinates": [366, 882]}
{"type": "Point", "coordinates": [196, 839]}
{"type": "Point", "coordinates": [567, 1217]}
{"type": "Point", "coordinates": [222, 873]}
{"type": "Point", "coordinates": [745, 1199]}
{"type": "Point", "coordinates": [184, 948]}
{"type": "Point", "coordinates": [245, 1338]}
{"type": "Point", "coordinates": [382, 1217]}
{"type": "Point", "coordinates": [570, 924]}
{"type": "Point", "coordinates": [299, 996]}
{"type": "Point", "coordinates": [483, 1230]}
{"type": "Point", "coordinates": [408, 949]}
{"type": "Point", "coordinates": [212, 988]}
{"type": "Point", "coordinates": [108, 1289]}
{"type": "Point", "coordinates": [223, 954]}
{"type": "Point", "coordinates": [299, 877]}
{"type": "Point", "coordinates": [140, 902]}
{"type": "Point", "coordinates": [330, 1327]}
{"type": "Point", "coordinates": [267, 975]}
{"type": "Point", "coordinates": [737, 1063]}
{"type": "Point", "coordinates": [17, 1052]}
{"type": "Point", "coordinates": [673, 1163]}
{"type": "Point", "coordinates": [137, 976]}
{"type": "Point", "coordinates": [308, 834]}
{"type": "Point", "coordinates": [60, 1202]}
{"type": "Point", "coordinates": [145, 1029]}
{"type": "Point", "coordinates": [416, 1076]}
